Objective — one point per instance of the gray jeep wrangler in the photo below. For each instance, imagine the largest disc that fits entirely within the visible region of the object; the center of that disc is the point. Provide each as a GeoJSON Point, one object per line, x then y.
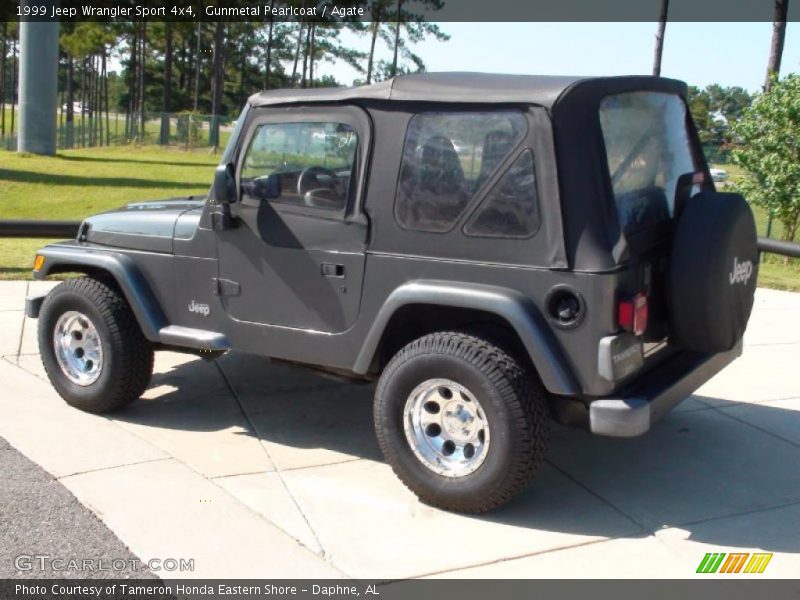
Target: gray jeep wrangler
{"type": "Point", "coordinates": [493, 250]}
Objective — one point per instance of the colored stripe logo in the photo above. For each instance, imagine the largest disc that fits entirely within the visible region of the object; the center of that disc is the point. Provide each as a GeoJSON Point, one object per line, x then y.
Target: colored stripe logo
{"type": "Point", "coordinates": [735, 562]}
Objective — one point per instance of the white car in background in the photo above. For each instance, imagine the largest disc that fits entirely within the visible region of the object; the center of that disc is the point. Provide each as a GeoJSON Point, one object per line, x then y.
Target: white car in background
{"type": "Point", "coordinates": [77, 108]}
{"type": "Point", "coordinates": [719, 174]}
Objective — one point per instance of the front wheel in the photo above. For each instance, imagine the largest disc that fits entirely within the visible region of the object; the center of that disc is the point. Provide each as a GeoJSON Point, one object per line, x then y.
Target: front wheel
{"type": "Point", "coordinates": [462, 423]}
{"type": "Point", "coordinates": [92, 348]}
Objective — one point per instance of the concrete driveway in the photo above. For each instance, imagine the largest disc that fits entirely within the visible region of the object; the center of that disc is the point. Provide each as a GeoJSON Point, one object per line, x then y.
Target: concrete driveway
{"type": "Point", "coordinates": [261, 470]}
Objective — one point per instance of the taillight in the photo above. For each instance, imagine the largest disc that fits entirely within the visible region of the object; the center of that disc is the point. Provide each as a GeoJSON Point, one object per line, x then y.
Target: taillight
{"type": "Point", "coordinates": [632, 313]}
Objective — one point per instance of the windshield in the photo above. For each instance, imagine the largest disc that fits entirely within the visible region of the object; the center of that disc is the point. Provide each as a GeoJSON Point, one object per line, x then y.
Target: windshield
{"type": "Point", "coordinates": [648, 149]}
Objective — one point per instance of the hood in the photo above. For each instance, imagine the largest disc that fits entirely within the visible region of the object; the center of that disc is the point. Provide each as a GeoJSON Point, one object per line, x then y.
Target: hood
{"type": "Point", "coordinates": [140, 225]}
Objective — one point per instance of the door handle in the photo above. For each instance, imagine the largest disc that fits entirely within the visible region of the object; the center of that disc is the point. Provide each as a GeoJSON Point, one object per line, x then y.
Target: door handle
{"type": "Point", "coordinates": [332, 270]}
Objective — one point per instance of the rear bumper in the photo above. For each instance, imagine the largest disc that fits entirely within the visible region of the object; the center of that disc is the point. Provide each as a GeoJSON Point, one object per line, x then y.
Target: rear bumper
{"type": "Point", "coordinates": [662, 389]}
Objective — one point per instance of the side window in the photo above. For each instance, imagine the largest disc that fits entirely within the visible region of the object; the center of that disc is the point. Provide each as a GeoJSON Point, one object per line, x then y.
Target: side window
{"type": "Point", "coordinates": [304, 164]}
{"type": "Point", "coordinates": [511, 210]}
{"type": "Point", "coordinates": [447, 157]}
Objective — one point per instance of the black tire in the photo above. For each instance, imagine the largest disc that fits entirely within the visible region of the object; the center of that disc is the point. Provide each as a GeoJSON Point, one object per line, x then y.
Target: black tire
{"type": "Point", "coordinates": [127, 355]}
{"type": "Point", "coordinates": [713, 272]}
{"type": "Point", "coordinates": [515, 407]}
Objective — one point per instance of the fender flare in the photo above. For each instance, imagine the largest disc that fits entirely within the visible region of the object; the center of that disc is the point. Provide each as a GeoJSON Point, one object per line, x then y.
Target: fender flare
{"type": "Point", "coordinates": [516, 309]}
{"type": "Point", "coordinates": [136, 290]}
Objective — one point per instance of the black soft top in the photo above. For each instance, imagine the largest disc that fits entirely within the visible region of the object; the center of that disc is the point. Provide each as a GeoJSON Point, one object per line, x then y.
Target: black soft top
{"type": "Point", "coordinates": [542, 90]}
{"type": "Point", "coordinates": [592, 240]}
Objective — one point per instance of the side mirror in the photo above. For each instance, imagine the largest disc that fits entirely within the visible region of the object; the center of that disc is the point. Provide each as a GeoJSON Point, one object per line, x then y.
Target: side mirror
{"type": "Point", "coordinates": [224, 191]}
{"type": "Point", "coordinates": [267, 187]}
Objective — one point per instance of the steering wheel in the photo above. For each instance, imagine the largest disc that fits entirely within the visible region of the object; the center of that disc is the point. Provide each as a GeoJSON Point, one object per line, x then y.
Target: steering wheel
{"type": "Point", "coordinates": [310, 176]}
{"type": "Point", "coordinates": [313, 192]}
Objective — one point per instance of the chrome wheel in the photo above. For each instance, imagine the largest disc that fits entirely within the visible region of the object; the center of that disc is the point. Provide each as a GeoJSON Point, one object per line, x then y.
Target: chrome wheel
{"type": "Point", "coordinates": [446, 427]}
{"type": "Point", "coordinates": [78, 349]}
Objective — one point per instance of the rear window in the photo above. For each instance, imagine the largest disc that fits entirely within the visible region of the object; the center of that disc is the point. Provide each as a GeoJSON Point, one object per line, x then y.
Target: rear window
{"type": "Point", "coordinates": [648, 149]}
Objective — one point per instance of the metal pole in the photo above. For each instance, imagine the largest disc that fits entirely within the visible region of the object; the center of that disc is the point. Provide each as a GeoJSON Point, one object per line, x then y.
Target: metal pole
{"type": "Point", "coordinates": [38, 86]}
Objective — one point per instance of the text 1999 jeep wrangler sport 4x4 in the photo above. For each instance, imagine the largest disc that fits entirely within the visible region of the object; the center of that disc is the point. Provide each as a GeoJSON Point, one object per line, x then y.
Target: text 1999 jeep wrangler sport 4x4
{"type": "Point", "coordinates": [494, 250]}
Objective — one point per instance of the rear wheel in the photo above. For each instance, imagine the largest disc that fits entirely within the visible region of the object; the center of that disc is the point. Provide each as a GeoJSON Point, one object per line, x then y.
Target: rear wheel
{"type": "Point", "coordinates": [710, 300]}
{"type": "Point", "coordinates": [92, 348]}
{"type": "Point", "coordinates": [462, 423]}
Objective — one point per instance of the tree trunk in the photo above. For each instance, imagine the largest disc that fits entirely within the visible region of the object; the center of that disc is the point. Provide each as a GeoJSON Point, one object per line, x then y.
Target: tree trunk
{"type": "Point", "coordinates": [776, 48]}
{"type": "Point", "coordinates": [142, 69]}
{"type": "Point", "coordinates": [311, 55]}
{"type": "Point", "coordinates": [662, 26]}
{"type": "Point", "coordinates": [297, 49]}
{"type": "Point", "coordinates": [70, 137]}
{"type": "Point", "coordinates": [166, 102]}
{"type": "Point", "coordinates": [83, 104]}
{"type": "Point", "coordinates": [13, 82]}
{"type": "Point", "coordinates": [92, 104]}
{"type": "Point", "coordinates": [94, 100]}
{"type": "Point", "coordinates": [397, 36]}
{"type": "Point", "coordinates": [3, 82]}
{"type": "Point", "coordinates": [130, 118]}
{"type": "Point", "coordinates": [86, 102]}
{"type": "Point", "coordinates": [240, 94]}
{"type": "Point", "coordinates": [98, 99]}
{"type": "Point", "coordinates": [306, 50]}
{"type": "Point", "coordinates": [89, 96]}
{"type": "Point", "coordinates": [790, 227]}
{"type": "Point", "coordinates": [105, 96]}
{"type": "Point", "coordinates": [60, 109]}
{"type": "Point", "coordinates": [217, 83]}
{"type": "Point", "coordinates": [375, 26]}
{"type": "Point", "coordinates": [268, 66]}
{"type": "Point", "coordinates": [182, 65]}
{"type": "Point", "coordinates": [197, 66]}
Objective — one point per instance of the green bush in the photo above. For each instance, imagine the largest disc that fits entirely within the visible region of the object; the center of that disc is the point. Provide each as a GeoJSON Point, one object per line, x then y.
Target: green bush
{"type": "Point", "coordinates": [769, 152]}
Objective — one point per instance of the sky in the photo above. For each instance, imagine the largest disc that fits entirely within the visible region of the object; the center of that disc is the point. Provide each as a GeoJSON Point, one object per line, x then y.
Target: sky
{"type": "Point", "coordinates": [731, 54]}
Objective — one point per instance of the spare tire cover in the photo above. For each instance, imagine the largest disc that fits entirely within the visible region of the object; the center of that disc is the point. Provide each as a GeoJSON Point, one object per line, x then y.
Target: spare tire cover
{"type": "Point", "coordinates": [713, 271]}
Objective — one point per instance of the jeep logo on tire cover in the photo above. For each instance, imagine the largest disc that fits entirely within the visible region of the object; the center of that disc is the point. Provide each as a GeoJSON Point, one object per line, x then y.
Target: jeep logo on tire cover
{"type": "Point", "coordinates": [741, 271]}
{"type": "Point", "coordinates": [201, 309]}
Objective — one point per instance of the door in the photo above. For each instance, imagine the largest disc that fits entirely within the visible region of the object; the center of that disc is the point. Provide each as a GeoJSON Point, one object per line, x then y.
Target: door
{"type": "Point", "coordinates": [295, 257]}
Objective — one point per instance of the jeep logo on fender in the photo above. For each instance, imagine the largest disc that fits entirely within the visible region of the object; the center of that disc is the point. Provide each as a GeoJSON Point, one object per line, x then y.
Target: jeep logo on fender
{"type": "Point", "coordinates": [201, 309]}
{"type": "Point", "coordinates": [741, 271]}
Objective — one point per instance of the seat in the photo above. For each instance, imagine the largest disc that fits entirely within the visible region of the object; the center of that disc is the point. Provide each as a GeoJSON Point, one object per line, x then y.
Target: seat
{"type": "Point", "coordinates": [440, 167]}
{"type": "Point", "coordinates": [496, 146]}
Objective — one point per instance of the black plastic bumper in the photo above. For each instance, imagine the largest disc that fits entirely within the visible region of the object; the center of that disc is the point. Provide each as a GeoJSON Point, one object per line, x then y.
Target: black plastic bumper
{"type": "Point", "coordinates": [661, 390]}
{"type": "Point", "coordinates": [33, 305]}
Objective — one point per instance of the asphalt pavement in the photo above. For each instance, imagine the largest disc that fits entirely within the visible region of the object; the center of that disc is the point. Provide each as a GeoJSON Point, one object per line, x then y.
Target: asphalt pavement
{"type": "Point", "coordinates": [42, 523]}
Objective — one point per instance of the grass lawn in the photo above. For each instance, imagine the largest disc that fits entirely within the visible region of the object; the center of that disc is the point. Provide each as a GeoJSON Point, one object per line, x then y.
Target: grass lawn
{"type": "Point", "coordinates": [774, 273]}
{"type": "Point", "coordinates": [78, 183]}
